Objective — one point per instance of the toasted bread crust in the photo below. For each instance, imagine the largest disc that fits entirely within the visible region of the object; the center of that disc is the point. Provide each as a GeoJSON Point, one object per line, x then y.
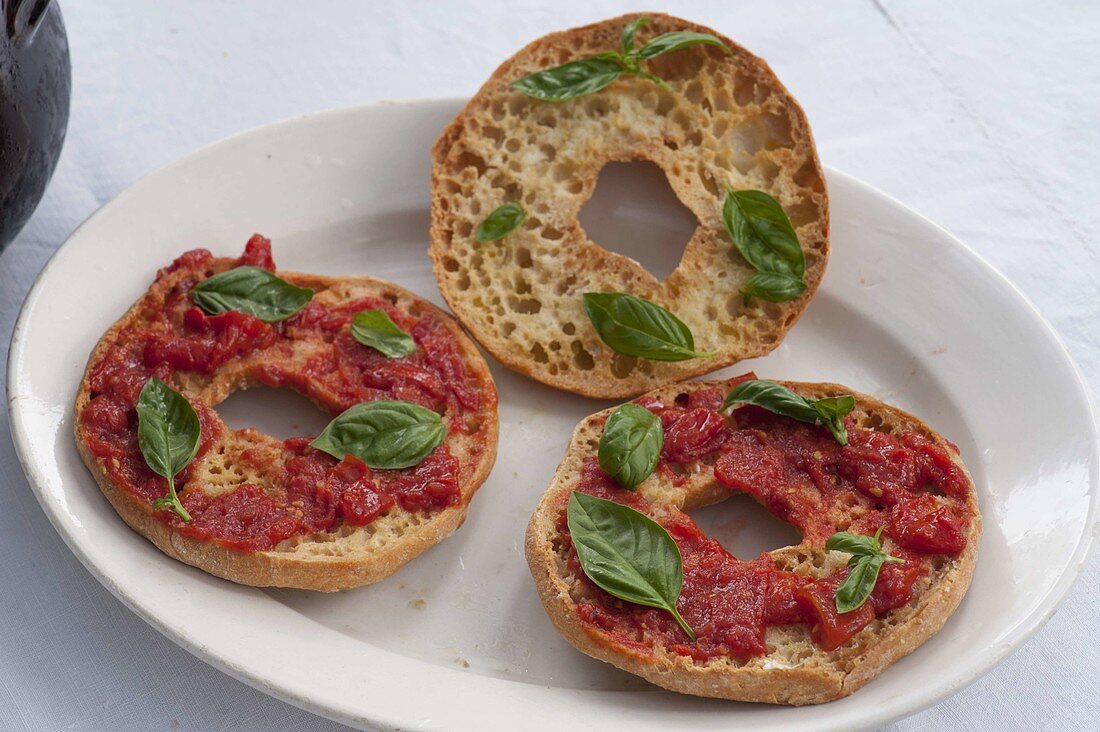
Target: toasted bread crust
{"type": "Point", "coordinates": [726, 121]}
{"type": "Point", "coordinates": [346, 563]}
{"type": "Point", "coordinates": [818, 676]}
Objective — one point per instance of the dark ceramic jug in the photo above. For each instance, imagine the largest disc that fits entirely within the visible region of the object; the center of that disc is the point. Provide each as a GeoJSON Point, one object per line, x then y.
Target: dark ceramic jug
{"type": "Point", "coordinates": [34, 106]}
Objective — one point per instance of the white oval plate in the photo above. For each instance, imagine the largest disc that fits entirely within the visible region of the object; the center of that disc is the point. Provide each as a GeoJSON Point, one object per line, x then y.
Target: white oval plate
{"type": "Point", "coordinates": [457, 639]}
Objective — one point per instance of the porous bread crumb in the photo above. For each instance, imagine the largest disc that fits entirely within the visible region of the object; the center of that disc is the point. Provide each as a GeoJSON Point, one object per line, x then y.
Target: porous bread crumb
{"type": "Point", "coordinates": [726, 121]}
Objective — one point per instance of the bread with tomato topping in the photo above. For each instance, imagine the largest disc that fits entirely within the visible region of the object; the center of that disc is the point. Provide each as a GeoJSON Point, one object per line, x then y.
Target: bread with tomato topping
{"type": "Point", "coordinates": [812, 655]}
{"type": "Point", "coordinates": [276, 513]}
{"type": "Point", "coordinates": [724, 120]}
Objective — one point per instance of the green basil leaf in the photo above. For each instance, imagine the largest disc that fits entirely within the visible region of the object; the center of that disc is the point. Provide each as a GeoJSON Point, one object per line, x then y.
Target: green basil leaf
{"type": "Point", "coordinates": [668, 42]}
{"type": "Point", "coordinates": [780, 400]}
{"type": "Point", "coordinates": [654, 78]}
{"type": "Point", "coordinates": [631, 445]}
{"type": "Point", "coordinates": [502, 220]}
{"type": "Point", "coordinates": [858, 585]}
{"type": "Point", "coordinates": [168, 428]}
{"type": "Point", "coordinates": [383, 434]}
{"type": "Point", "coordinates": [375, 329]}
{"type": "Point", "coordinates": [168, 436]}
{"type": "Point", "coordinates": [833, 410]}
{"type": "Point", "coordinates": [761, 231]}
{"type": "Point", "coordinates": [570, 80]}
{"type": "Point", "coordinates": [627, 554]}
{"type": "Point", "coordinates": [866, 561]}
{"type": "Point", "coordinates": [636, 327]}
{"type": "Point", "coordinates": [773, 397]}
{"type": "Point", "coordinates": [854, 544]}
{"type": "Point", "coordinates": [251, 290]}
{"type": "Point", "coordinates": [630, 30]}
{"type": "Point", "coordinates": [773, 287]}
{"type": "Point", "coordinates": [588, 75]}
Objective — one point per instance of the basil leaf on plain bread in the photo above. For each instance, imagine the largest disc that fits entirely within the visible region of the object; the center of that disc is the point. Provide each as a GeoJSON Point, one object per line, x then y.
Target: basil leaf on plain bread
{"type": "Point", "coordinates": [588, 75]}
{"type": "Point", "coordinates": [629, 31]}
{"type": "Point", "coordinates": [168, 436]}
{"type": "Point", "coordinates": [674, 41]}
{"type": "Point", "coordinates": [500, 221]}
{"type": "Point", "coordinates": [763, 234]}
{"type": "Point", "coordinates": [383, 434]}
{"type": "Point", "coordinates": [773, 287]}
{"type": "Point", "coordinates": [251, 290]}
{"type": "Point", "coordinates": [633, 326]}
{"type": "Point", "coordinates": [571, 80]}
{"type": "Point", "coordinates": [627, 554]}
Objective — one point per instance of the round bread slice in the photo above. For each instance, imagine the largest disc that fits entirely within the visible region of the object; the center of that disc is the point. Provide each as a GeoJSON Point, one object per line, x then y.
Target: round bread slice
{"type": "Point", "coordinates": [794, 669]}
{"type": "Point", "coordinates": [724, 121]}
{"type": "Point", "coordinates": [245, 488]}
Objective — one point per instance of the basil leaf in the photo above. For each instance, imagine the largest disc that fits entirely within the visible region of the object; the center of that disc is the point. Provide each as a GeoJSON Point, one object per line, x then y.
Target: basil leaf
{"type": "Point", "coordinates": [636, 327]}
{"type": "Point", "coordinates": [570, 80]}
{"type": "Point", "coordinates": [631, 445]}
{"type": "Point", "coordinates": [832, 411]}
{"type": "Point", "coordinates": [778, 399]}
{"type": "Point", "coordinates": [764, 236]}
{"type": "Point", "coordinates": [375, 329]}
{"type": "Point", "coordinates": [668, 42]}
{"type": "Point", "coordinates": [502, 220]}
{"type": "Point", "coordinates": [858, 585]}
{"type": "Point", "coordinates": [773, 287]}
{"type": "Point", "coordinates": [383, 434]}
{"type": "Point", "coordinates": [627, 554]}
{"type": "Point", "coordinates": [866, 561]}
{"type": "Point", "coordinates": [630, 30]}
{"type": "Point", "coordinates": [588, 75]}
{"type": "Point", "coordinates": [251, 290]}
{"type": "Point", "coordinates": [654, 78]}
{"type": "Point", "coordinates": [774, 397]}
{"type": "Point", "coordinates": [852, 543]}
{"type": "Point", "coordinates": [168, 435]}
{"type": "Point", "coordinates": [761, 231]}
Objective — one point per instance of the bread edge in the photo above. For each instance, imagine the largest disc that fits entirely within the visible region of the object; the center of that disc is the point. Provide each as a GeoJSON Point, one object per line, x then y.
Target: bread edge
{"type": "Point", "coordinates": [622, 388]}
{"type": "Point", "coordinates": [282, 569]}
{"type": "Point", "coordinates": [927, 614]}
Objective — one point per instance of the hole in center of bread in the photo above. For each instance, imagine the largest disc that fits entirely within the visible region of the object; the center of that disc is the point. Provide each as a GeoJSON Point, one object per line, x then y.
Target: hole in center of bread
{"type": "Point", "coordinates": [634, 212]}
{"type": "Point", "coordinates": [280, 413]}
{"type": "Point", "coordinates": [744, 527]}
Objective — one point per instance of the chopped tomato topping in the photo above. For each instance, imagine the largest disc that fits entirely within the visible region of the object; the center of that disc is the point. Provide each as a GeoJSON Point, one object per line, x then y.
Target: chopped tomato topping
{"type": "Point", "coordinates": [801, 474]}
{"type": "Point", "coordinates": [208, 341]}
{"type": "Point", "coordinates": [921, 524]}
{"type": "Point", "coordinates": [831, 629]}
{"type": "Point", "coordinates": [305, 491]}
{"type": "Point", "coordinates": [692, 433]}
{"type": "Point", "coordinates": [257, 253]}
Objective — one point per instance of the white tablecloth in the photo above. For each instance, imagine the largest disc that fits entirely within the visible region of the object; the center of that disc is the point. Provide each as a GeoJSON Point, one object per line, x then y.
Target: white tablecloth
{"type": "Point", "coordinates": [982, 116]}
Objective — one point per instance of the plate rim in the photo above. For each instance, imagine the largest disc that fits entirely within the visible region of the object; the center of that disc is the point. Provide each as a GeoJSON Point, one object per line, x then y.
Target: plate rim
{"type": "Point", "coordinates": [250, 675]}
